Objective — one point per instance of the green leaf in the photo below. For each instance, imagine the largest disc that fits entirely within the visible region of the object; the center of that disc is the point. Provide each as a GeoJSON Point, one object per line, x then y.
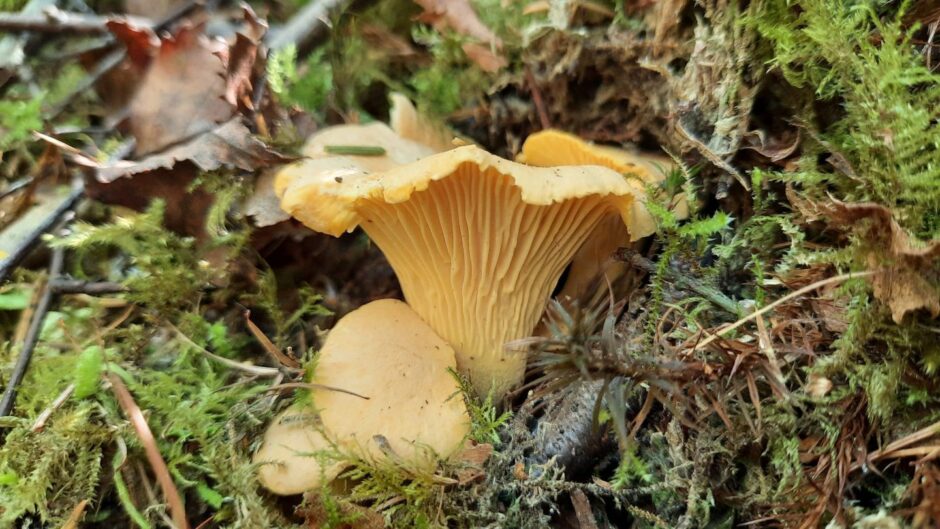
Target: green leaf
{"type": "Point", "coordinates": [705, 227]}
{"type": "Point", "coordinates": [210, 495]}
{"type": "Point", "coordinates": [15, 299]}
{"type": "Point", "coordinates": [88, 371]}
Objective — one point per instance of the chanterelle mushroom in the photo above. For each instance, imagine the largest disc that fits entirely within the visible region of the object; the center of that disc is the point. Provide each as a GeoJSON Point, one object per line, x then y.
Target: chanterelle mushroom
{"type": "Point", "coordinates": [392, 369]}
{"type": "Point", "coordinates": [552, 148]}
{"type": "Point", "coordinates": [477, 242]}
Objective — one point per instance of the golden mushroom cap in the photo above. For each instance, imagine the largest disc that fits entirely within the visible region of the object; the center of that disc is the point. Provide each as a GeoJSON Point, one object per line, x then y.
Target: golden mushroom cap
{"type": "Point", "coordinates": [332, 206]}
{"type": "Point", "coordinates": [288, 455]}
{"type": "Point", "coordinates": [393, 370]}
{"type": "Point", "coordinates": [320, 163]}
{"type": "Point", "coordinates": [553, 147]}
{"type": "Point", "coordinates": [477, 241]}
{"type": "Point", "coordinates": [408, 123]}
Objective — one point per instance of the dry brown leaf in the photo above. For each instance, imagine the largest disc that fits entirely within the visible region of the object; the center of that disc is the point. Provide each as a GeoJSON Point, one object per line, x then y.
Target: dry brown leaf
{"type": "Point", "coordinates": [140, 42]}
{"type": "Point", "coordinates": [457, 15]}
{"type": "Point", "coordinates": [230, 144]}
{"type": "Point", "coordinates": [911, 267]}
{"type": "Point", "coordinates": [182, 92]}
{"type": "Point", "coordinates": [316, 515]}
{"type": "Point", "coordinates": [818, 386]}
{"type": "Point", "coordinates": [484, 57]}
{"type": "Point", "coordinates": [241, 60]}
{"type": "Point", "coordinates": [470, 461]}
{"type": "Point", "coordinates": [460, 16]}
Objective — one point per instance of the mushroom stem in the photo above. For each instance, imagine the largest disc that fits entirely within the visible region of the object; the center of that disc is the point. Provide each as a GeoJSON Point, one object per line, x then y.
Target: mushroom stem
{"type": "Point", "coordinates": [487, 263]}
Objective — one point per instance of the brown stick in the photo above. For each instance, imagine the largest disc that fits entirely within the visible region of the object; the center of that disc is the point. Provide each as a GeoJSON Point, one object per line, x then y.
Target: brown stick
{"type": "Point", "coordinates": [136, 417]}
{"type": "Point", "coordinates": [582, 509]}
{"type": "Point", "coordinates": [55, 21]}
{"type": "Point", "coordinates": [767, 308]}
{"type": "Point", "coordinates": [269, 346]}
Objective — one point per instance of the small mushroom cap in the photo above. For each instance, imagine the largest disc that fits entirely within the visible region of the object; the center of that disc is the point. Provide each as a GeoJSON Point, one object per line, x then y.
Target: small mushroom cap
{"type": "Point", "coordinates": [321, 164]}
{"type": "Point", "coordinates": [553, 147]}
{"type": "Point", "coordinates": [408, 123]}
{"type": "Point", "coordinates": [330, 206]}
{"type": "Point", "coordinates": [385, 352]}
{"type": "Point", "coordinates": [287, 454]}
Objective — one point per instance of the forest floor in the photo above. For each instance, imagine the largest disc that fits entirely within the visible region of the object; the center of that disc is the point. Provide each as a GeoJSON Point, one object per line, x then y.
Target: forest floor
{"type": "Point", "coordinates": [769, 358]}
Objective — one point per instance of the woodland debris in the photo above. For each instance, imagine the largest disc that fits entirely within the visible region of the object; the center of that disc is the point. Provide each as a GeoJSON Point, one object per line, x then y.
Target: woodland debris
{"type": "Point", "coordinates": [32, 335]}
{"type": "Point", "coordinates": [53, 20]}
{"type": "Point", "coordinates": [910, 269]}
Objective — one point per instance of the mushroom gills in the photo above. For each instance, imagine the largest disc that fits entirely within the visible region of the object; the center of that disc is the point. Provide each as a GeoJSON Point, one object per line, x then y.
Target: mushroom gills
{"type": "Point", "coordinates": [478, 263]}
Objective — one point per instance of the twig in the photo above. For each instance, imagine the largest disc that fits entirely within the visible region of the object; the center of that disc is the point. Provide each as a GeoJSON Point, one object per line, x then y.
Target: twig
{"type": "Point", "coordinates": [795, 294]}
{"type": "Point", "coordinates": [32, 336]}
{"type": "Point", "coordinates": [537, 100]}
{"type": "Point", "coordinates": [254, 370]}
{"type": "Point", "coordinates": [269, 346]}
{"type": "Point", "coordinates": [309, 385]}
{"type": "Point", "coordinates": [76, 515]}
{"type": "Point", "coordinates": [56, 404]}
{"type": "Point", "coordinates": [16, 256]}
{"type": "Point", "coordinates": [52, 20]}
{"type": "Point", "coordinates": [16, 186]}
{"type": "Point", "coordinates": [92, 288]}
{"type": "Point", "coordinates": [157, 464]}
{"type": "Point", "coordinates": [582, 510]}
{"type": "Point", "coordinates": [897, 448]}
{"type": "Point", "coordinates": [306, 26]}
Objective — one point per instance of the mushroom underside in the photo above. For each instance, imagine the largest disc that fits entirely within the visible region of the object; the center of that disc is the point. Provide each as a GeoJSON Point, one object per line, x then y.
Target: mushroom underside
{"type": "Point", "coordinates": [478, 263]}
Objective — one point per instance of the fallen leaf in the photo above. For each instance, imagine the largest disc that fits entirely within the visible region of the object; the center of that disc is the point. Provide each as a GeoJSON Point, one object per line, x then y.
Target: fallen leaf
{"type": "Point", "coordinates": [773, 148]}
{"type": "Point", "coordinates": [818, 386]}
{"type": "Point", "coordinates": [470, 461]}
{"type": "Point", "coordinates": [140, 42]}
{"type": "Point", "coordinates": [457, 15]}
{"type": "Point", "coordinates": [317, 515]}
{"type": "Point", "coordinates": [241, 60]}
{"type": "Point", "coordinates": [230, 144]}
{"type": "Point", "coordinates": [910, 268]}
{"type": "Point", "coordinates": [181, 93]}
{"type": "Point", "coordinates": [460, 16]}
{"type": "Point", "coordinates": [484, 57]}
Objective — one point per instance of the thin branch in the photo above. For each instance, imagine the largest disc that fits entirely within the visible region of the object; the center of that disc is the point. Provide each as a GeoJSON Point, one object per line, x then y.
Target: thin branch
{"type": "Point", "coordinates": [92, 288]}
{"type": "Point", "coordinates": [157, 464]}
{"type": "Point", "coordinates": [32, 336]}
{"type": "Point", "coordinates": [309, 385]}
{"type": "Point", "coordinates": [13, 260]}
{"type": "Point", "coordinates": [248, 368]}
{"type": "Point", "coordinates": [53, 20]}
{"type": "Point", "coordinates": [269, 346]}
{"type": "Point", "coordinates": [56, 404]}
{"type": "Point", "coordinates": [795, 294]}
{"type": "Point", "coordinates": [309, 24]}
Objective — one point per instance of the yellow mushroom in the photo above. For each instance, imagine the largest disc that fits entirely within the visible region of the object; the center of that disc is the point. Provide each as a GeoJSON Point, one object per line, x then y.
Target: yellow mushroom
{"type": "Point", "coordinates": [552, 148]}
{"type": "Point", "coordinates": [392, 393]}
{"type": "Point", "coordinates": [477, 242]}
